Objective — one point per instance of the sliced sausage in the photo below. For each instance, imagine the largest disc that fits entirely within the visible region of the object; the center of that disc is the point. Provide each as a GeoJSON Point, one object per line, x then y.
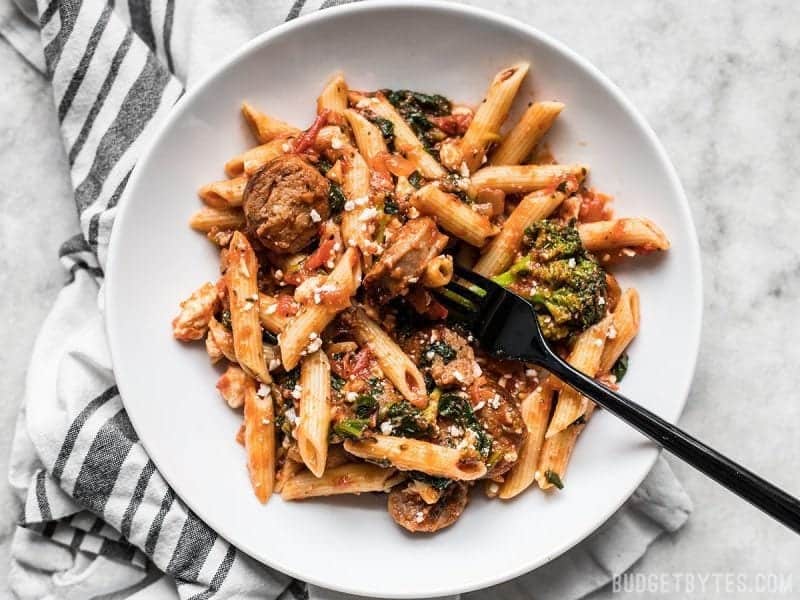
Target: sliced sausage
{"type": "Point", "coordinates": [500, 417]}
{"type": "Point", "coordinates": [409, 509]}
{"type": "Point", "coordinates": [284, 203]}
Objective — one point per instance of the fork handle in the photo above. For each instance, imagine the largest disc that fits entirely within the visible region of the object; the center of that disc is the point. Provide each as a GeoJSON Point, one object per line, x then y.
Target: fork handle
{"type": "Point", "coordinates": [746, 484]}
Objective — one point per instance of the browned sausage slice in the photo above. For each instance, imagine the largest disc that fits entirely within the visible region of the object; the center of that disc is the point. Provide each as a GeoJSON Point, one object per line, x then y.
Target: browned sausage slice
{"type": "Point", "coordinates": [284, 203]}
{"type": "Point", "coordinates": [410, 511]}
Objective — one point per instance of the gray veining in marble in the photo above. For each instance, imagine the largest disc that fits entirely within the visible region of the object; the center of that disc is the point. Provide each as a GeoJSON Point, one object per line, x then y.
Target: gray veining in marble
{"type": "Point", "coordinates": [720, 84]}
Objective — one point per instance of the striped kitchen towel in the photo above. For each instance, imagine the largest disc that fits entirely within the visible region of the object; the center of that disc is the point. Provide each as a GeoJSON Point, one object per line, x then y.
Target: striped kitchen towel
{"type": "Point", "coordinates": [97, 519]}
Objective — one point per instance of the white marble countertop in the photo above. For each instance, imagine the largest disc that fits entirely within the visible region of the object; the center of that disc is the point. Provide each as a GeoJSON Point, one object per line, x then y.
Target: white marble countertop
{"type": "Point", "coordinates": [719, 82]}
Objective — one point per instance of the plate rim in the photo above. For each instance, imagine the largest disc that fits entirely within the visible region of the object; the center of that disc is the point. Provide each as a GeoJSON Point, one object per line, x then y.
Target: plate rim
{"type": "Point", "coordinates": [693, 256]}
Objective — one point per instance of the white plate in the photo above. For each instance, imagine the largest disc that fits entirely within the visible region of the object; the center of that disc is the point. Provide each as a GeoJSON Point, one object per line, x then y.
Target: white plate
{"type": "Point", "coordinates": [351, 544]}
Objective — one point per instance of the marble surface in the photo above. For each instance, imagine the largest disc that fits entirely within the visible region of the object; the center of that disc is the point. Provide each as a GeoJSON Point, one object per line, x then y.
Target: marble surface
{"type": "Point", "coordinates": [719, 82]}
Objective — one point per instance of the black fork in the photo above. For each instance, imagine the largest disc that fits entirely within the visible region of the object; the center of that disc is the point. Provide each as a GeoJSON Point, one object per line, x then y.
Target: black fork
{"type": "Point", "coordinates": [506, 326]}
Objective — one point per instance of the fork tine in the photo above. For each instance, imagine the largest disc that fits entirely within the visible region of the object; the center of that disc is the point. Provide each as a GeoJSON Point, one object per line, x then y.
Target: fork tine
{"type": "Point", "coordinates": [455, 308]}
{"type": "Point", "coordinates": [464, 292]}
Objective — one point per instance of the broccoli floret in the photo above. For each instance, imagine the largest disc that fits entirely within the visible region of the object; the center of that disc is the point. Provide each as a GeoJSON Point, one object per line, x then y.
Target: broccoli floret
{"type": "Point", "coordinates": [566, 285]}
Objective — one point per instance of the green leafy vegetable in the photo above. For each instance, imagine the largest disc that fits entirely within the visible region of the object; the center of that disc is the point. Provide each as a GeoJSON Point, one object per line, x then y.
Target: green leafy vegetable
{"type": "Point", "coordinates": [459, 410]}
{"type": "Point", "coordinates": [439, 347]}
{"type": "Point", "coordinates": [390, 206]}
{"type": "Point", "coordinates": [337, 383]}
{"type": "Point", "coordinates": [351, 428]}
{"type": "Point", "coordinates": [364, 406]}
{"type": "Point", "coordinates": [386, 127]}
{"type": "Point", "coordinates": [225, 319]}
{"type": "Point", "coordinates": [416, 179]}
{"type": "Point", "coordinates": [406, 421]}
{"type": "Point", "coordinates": [438, 483]}
{"type": "Point", "coordinates": [336, 198]}
{"type": "Point", "coordinates": [417, 108]}
{"type": "Point", "coordinates": [553, 478]}
{"type": "Point", "coordinates": [323, 166]}
{"type": "Point", "coordinates": [620, 367]}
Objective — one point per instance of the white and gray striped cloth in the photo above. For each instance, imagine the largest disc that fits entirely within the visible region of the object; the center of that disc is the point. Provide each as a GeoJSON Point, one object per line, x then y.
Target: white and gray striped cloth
{"type": "Point", "coordinates": [98, 519]}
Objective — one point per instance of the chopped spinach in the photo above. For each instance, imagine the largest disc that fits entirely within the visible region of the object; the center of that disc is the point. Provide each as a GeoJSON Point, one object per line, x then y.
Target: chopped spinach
{"type": "Point", "coordinates": [438, 483]}
{"type": "Point", "coordinates": [620, 367]}
{"type": "Point", "coordinates": [323, 166]}
{"type": "Point", "coordinates": [416, 179]}
{"type": "Point", "coordinates": [553, 478]}
{"type": "Point", "coordinates": [364, 406]}
{"type": "Point", "coordinates": [225, 319]}
{"type": "Point", "coordinates": [416, 108]}
{"type": "Point", "coordinates": [459, 410]}
{"type": "Point", "coordinates": [386, 127]}
{"type": "Point", "coordinates": [439, 347]}
{"type": "Point", "coordinates": [336, 198]}
{"type": "Point", "coordinates": [406, 421]}
{"type": "Point", "coordinates": [269, 338]}
{"type": "Point", "coordinates": [390, 206]}
{"type": "Point", "coordinates": [337, 383]}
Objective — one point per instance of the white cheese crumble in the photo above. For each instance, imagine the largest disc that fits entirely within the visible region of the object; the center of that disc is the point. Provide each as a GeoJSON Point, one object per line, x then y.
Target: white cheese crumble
{"type": "Point", "coordinates": [274, 363]}
{"type": "Point", "coordinates": [297, 392]}
{"type": "Point", "coordinates": [286, 147]}
{"type": "Point", "coordinates": [265, 421]}
{"type": "Point", "coordinates": [262, 391]}
{"type": "Point", "coordinates": [612, 332]}
{"type": "Point", "coordinates": [314, 346]}
{"type": "Point", "coordinates": [315, 216]}
{"type": "Point", "coordinates": [351, 396]}
{"type": "Point", "coordinates": [386, 428]}
{"type": "Point", "coordinates": [368, 214]}
{"type": "Point", "coordinates": [494, 402]}
{"type": "Point", "coordinates": [291, 416]}
{"type": "Point", "coordinates": [270, 310]}
{"type": "Point", "coordinates": [349, 205]}
{"type": "Point", "coordinates": [463, 169]}
{"type": "Point", "coordinates": [571, 262]}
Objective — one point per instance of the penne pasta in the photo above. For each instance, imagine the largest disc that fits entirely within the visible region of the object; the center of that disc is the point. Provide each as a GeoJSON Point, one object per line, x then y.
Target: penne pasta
{"type": "Point", "coordinates": [223, 194]}
{"type": "Point", "coordinates": [499, 253]}
{"type": "Point", "coordinates": [633, 233]}
{"type": "Point", "coordinates": [357, 225]}
{"type": "Point", "coordinates": [556, 452]}
{"type": "Point", "coordinates": [264, 127]}
{"type": "Point", "coordinates": [259, 440]}
{"type": "Point", "coordinates": [395, 364]}
{"type": "Point", "coordinates": [438, 272]}
{"type": "Point", "coordinates": [408, 454]}
{"type": "Point", "coordinates": [334, 99]}
{"type": "Point", "coordinates": [517, 146]}
{"type": "Point", "coordinates": [369, 138]}
{"type": "Point", "coordinates": [492, 112]}
{"type": "Point", "coordinates": [585, 357]}
{"type": "Point", "coordinates": [268, 314]}
{"type": "Point", "coordinates": [315, 411]}
{"type": "Point", "coordinates": [351, 478]}
{"type": "Point", "coordinates": [521, 179]}
{"type": "Point", "coordinates": [241, 281]}
{"type": "Point", "coordinates": [453, 216]}
{"type": "Point", "coordinates": [535, 410]}
{"type": "Point", "coordinates": [624, 327]}
{"type": "Point", "coordinates": [303, 331]}
{"type": "Point", "coordinates": [288, 470]}
{"type": "Point", "coordinates": [405, 141]}
{"type": "Point", "coordinates": [206, 219]}
{"type": "Point", "coordinates": [250, 161]}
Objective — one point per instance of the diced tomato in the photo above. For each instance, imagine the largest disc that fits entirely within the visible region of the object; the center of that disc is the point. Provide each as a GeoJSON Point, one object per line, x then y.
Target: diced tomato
{"type": "Point", "coordinates": [321, 256]}
{"type": "Point", "coordinates": [594, 207]}
{"type": "Point", "coordinates": [436, 311]}
{"type": "Point", "coordinates": [306, 141]}
{"type": "Point", "coordinates": [453, 124]}
{"type": "Point", "coordinates": [287, 307]}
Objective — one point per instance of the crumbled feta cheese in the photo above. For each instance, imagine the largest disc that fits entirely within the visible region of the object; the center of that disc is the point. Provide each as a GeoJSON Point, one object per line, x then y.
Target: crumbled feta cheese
{"type": "Point", "coordinates": [455, 431]}
{"type": "Point", "coordinates": [362, 200]}
{"type": "Point", "coordinates": [413, 213]}
{"type": "Point", "coordinates": [297, 392]}
{"type": "Point", "coordinates": [493, 489]}
{"type": "Point", "coordinates": [286, 147]}
{"type": "Point", "coordinates": [494, 402]}
{"type": "Point", "coordinates": [262, 391]}
{"type": "Point", "coordinates": [312, 335]}
{"type": "Point", "coordinates": [317, 298]}
{"type": "Point", "coordinates": [314, 346]}
{"type": "Point", "coordinates": [476, 370]}
{"type": "Point", "coordinates": [278, 274]}
{"type": "Point", "coordinates": [601, 301]}
{"type": "Point", "coordinates": [274, 363]}
{"type": "Point", "coordinates": [628, 252]}
{"type": "Point", "coordinates": [419, 517]}
{"type": "Point", "coordinates": [463, 169]}
{"type": "Point", "coordinates": [315, 216]}
{"type": "Point", "coordinates": [351, 396]}
{"type": "Point", "coordinates": [598, 342]}
{"type": "Point", "coordinates": [458, 376]}
{"type": "Point", "coordinates": [337, 247]}
{"type": "Point", "coordinates": [429, 355]}
{"type": "Point", "coordinates": [479, 406]}
{"type": "Point", "coordinates": [291, 416]}
{"type": "Point", "coordinates": [330, 264]}
{"type": "Point", "coordinates": [571, 262]}
{"type": "Point", "coordinates": [386, 428]}
{"type": "Point", "coordinates": [265, 421]}
{"type": "Point", "coordinates": [530, 373]}
{"type": "Point", "coordinates": [270, 310]}
{"type": "Point", "coordinates": [612, 332]}
{"type": "Point", "coordinates": [368, 214]}
{"type": "Point", "coordinates": [352, 243]}
{"type": "Point", "coordinates": [349, 205]}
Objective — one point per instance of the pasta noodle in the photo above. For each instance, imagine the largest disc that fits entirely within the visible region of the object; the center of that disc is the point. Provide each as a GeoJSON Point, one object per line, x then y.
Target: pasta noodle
{"type": "Point", "coordinates": [522, 139]}
{"type": "Point", "coordinates": [315, 411]}
{"type": "Point", "coordinates": [453, 215]}
{"type": "Point", "coordinates": [354, 478]}
{"type": "Point", "coordinates": [525, 178]}
{"type": "Point", "coordinates": [636, 233]}
{"type": "Point", "coordinates": [259, 440]}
